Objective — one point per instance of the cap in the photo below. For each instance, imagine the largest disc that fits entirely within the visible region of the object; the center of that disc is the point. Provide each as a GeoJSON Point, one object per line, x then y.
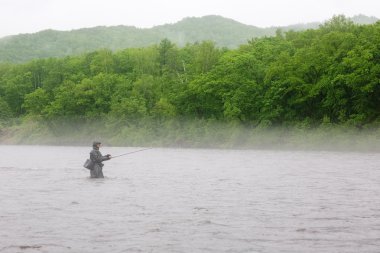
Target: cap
{"type": "Point", "coordinates": [96, 143]}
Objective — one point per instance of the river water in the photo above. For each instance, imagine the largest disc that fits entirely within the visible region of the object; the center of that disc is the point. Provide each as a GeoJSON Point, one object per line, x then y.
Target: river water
{"type": "Point", "coordinates": [183, 200]}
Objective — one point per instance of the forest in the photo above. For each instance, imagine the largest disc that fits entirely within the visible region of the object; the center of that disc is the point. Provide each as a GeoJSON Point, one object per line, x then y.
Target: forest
{"type": "Point", "coordinates": [314, 79]}
{"type": "Point", "coordinates": [224, 32]}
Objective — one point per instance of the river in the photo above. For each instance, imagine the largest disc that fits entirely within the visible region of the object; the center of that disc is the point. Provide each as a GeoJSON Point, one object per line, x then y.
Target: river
{"type": "Point", "coordinates": [189, 200]}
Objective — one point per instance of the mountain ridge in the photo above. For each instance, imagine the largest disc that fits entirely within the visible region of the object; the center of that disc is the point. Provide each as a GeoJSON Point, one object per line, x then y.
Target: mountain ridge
{"type": "Point", "coordinates": [225, 32]}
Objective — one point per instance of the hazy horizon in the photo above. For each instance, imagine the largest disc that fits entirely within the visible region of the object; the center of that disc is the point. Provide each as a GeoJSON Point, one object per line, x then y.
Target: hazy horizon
{"type": "Point", "coordinates": [89, 27]}
{"type": "Point", "coordinates": [23, 16]}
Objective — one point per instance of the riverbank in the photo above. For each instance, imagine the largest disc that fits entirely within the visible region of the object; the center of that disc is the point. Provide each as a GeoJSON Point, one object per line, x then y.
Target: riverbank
{"type": "Point", "coordinates": [194, 134]}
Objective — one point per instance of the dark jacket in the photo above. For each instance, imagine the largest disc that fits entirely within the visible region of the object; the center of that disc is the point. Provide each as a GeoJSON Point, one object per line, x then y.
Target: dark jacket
{"type": "Point", "coordinates": [97, 158]}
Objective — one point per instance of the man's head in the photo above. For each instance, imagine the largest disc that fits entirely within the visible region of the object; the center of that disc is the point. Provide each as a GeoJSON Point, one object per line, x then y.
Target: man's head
{"type": "Point", "coordinates": [96, 144]}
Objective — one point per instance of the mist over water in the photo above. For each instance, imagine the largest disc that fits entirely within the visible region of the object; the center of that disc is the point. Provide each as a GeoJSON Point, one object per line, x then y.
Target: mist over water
{"type": "Point", "coordinates": [192, 134]}
{"type": "Point", "coordinates": [189, 200]}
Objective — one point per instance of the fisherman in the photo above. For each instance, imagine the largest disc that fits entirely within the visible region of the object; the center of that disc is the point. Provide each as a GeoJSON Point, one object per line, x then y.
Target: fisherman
{"type": "Point", "coordinates": [97, 158]}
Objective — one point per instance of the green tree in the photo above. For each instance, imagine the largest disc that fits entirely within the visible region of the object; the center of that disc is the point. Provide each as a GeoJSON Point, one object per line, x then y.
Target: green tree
{"type": "Point", "coordinates": [35, 102]}
{"type": "Point", "coordinates": [5, 111]}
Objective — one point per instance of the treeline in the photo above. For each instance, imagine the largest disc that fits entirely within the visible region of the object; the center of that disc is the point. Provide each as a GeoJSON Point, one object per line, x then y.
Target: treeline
{"type": "Point", "coordinates": [326, 76]}
{"type": "Point", "coordinates": [50, 43]}
{"type": "Point", "coordinates": [223, 31]}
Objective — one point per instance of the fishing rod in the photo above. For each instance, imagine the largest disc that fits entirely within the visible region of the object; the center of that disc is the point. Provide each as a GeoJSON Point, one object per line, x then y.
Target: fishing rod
{"type": "Point", "coordinates": [130, 152]}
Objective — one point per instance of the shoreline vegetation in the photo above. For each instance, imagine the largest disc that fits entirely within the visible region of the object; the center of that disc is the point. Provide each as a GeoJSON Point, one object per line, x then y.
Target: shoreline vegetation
{"type": "Point", "coordinates": [315, 89]}
{"type": "Point", "coordinates": [200, 134]}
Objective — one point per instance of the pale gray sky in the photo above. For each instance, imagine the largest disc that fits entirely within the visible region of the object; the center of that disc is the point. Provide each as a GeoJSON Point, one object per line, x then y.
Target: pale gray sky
{"type": "Point", "coordinates": [28, 16]}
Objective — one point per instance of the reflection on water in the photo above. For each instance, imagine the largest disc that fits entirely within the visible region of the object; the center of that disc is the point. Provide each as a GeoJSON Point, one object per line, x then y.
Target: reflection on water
{"type": "Point", "coordinates": [168, 200]}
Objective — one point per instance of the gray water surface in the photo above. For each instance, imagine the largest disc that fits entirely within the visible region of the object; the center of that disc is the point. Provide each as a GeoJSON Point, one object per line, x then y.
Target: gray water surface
{"type": "Point", "coordinates": [173, 200]}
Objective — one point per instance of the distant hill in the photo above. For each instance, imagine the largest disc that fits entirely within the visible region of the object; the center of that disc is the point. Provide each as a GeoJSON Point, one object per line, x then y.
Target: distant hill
{"type": "Point", "coordinates": [364, 20]}
{"type": "Point", "coordinates": [223, 31]}
{"type": "Point", "coordinates": [358, 19]}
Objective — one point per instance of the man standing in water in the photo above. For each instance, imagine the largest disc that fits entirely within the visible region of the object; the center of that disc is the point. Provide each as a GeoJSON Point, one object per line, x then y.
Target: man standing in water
{"type": "Point", "coordinates": [97, 158]}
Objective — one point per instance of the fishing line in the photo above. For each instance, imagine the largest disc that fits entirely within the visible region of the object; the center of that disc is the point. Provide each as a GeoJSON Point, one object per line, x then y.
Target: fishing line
{"type": "Point", "coordinates": [130, 152]}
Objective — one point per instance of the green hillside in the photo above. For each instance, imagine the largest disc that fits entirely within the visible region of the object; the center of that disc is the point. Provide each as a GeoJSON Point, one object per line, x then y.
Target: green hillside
{"type": "Point", "coordinates": [224, 32]}
{"type": "Point", "coordinates": [317, 79]}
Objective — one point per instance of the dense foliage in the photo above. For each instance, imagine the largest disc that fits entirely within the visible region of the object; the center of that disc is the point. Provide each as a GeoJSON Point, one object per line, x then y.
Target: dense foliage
{"type": "Point", "coordinates": [224, 32]}
{"type": "Point", "coordinates": [324, 76]}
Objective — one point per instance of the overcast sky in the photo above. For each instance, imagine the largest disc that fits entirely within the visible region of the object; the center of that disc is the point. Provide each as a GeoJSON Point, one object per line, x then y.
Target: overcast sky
{"type": "Point", "coordinates": [28, 16]}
